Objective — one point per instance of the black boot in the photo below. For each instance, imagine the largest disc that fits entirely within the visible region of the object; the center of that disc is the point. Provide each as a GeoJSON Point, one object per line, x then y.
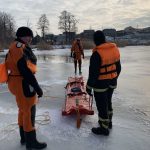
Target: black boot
{"type": "Point", "coordinates": [100, 131]}
{"type": "Point", "coordinates": [80, 72]}
{"type": "Point", "coordinates": [103, 129]}
{"type": "Point", "coordinates": [31, 141]}
{"type": "Point", "coordinates": [22, 136]}
{"type": "Point", "coordinates": [75, 67]}
{"type": "Point", "coordinates": [75, 72]}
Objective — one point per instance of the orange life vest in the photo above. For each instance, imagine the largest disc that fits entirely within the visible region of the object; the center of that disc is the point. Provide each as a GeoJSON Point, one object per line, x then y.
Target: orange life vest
{"type": "Point", "coordinates": [15, 53]}
{"type": "Point", "coordinates": [109, 54]}
{"type": "Point", "coordinates": [77, 48]}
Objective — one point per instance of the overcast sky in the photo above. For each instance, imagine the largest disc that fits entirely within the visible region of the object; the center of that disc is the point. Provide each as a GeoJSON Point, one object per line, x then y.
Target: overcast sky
{"type": "Point", "coordinates": [95, 14]}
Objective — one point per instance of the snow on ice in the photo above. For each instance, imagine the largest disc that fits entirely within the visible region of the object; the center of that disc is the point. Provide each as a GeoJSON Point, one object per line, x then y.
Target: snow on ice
{"type": "Point", "coordinates": [131, 102]}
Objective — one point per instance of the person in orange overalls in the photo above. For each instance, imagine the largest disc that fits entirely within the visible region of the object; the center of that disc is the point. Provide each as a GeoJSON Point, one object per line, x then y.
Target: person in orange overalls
{"type": "Point", "coordinates": [104, 71]}
{"type": "Point", "coordinates": [21, 65]}
{"type": "Point", "coordinates": [76, 53]}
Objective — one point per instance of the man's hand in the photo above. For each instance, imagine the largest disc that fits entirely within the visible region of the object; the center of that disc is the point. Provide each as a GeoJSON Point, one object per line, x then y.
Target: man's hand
{"type": "Point", "coordinates": [39, 92]}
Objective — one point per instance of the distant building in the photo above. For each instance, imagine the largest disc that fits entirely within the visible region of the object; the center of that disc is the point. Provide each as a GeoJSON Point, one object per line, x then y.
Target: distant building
{"type": "Point", "coordinates": [60, 39]}
{"type": "Point", "coordinates": [65, 38]}
{"type": "Point", "coordinates": [50, 38]}
{"type": "Point", "coordinates": [87, 34]}
{"type": "Point", "coordinates": [131, 30]}
{"type": "Point", "coordinates": [70, 36]}
{"type": "Point", "coordinates": [120, 33]}
{"type": "Point", "coordinates": [145, 30]}
{"type": "Point", "coordinates": [129, 34]}
{"type": "Point", "coordinates": [36, 39]}
{"type": "Point", "coordinates": [110, 32]}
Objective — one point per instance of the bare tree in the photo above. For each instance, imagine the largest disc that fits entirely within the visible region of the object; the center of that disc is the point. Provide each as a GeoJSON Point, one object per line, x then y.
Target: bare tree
{"type": "Point", "coordinates": [7, 29]}
{"type": "Point", "coordinates": [29, 23]}
{"type": "Point", "coordinates": [62, 24]}
{"type": "Point", "coordinates": [43, 25]}
{"type": "Point", "coordinates": [67, 23]}
{"type": "Point", "coordinates": [72, 25]}
{"type": "Point", "coordinates": [72, 21]}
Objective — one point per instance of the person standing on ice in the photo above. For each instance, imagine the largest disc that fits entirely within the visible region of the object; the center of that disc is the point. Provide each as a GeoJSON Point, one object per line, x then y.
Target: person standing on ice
{"type": "Point", "coordinates": [21, 65]}
{"type": "Point", "coordinates": [76, 53]}
{"type": "Point", "coordinates": [104, 70]}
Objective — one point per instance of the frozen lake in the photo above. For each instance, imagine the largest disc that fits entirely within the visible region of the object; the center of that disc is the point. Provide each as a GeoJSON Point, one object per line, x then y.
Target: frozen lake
{"type": "Point", "coordinates": [131, 102]}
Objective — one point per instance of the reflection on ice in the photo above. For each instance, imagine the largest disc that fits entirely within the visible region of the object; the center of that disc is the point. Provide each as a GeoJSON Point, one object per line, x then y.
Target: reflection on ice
{"type": "Point", "coordinates": [55, 59]}
{"type": "Point", "coordinates": [54, 82]}
{"type": "Point", "coordinates": [8, 110]}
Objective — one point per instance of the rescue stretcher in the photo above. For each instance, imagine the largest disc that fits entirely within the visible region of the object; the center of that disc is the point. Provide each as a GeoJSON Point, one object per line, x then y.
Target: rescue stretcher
{"type": "Point", "coordinates": [77, 101]}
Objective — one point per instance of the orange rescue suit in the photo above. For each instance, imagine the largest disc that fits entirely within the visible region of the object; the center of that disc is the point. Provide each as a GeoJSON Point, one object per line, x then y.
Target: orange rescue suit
{"type": "Point", "coordinates": [77, 50]}
{"type": "Point", "coordinates": [15, 85]}
{"type": "Point", "coordinates": [109, 55]}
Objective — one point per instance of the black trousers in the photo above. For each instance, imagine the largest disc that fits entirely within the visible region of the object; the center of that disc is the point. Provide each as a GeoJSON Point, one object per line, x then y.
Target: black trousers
{"type": "Point", "coordinates": [104, 102]}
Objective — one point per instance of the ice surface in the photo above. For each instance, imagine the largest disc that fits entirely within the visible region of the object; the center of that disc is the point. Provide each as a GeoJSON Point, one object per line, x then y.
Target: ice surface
{"type": "Point", "coordinates": [131, 102]}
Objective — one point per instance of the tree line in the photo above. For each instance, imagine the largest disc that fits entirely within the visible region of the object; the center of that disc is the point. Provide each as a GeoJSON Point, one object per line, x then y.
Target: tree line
{"type": "Point", "coordinates": [7, 29]}
{"type": "Point", "coordinates": [67, 23]}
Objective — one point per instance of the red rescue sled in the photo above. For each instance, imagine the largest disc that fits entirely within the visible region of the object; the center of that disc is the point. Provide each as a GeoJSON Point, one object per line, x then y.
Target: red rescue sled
{"type": "Point", "coordinates": [77, 100]}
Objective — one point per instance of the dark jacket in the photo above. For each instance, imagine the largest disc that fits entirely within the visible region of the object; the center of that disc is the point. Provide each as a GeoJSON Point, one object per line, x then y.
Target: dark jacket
{"type": "Point", "coordinates": [93, 82]}
{"type": "Point", "coordinates": [28, 76]}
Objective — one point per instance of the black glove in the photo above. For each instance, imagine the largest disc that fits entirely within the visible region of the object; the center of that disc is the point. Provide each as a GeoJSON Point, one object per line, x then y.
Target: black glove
{"type": "Point", "coordinates": [89, 91]}
{"type": "Point", "coordinates": [39, 91]}
{"type": "Point", "coordinates": [71, 54]}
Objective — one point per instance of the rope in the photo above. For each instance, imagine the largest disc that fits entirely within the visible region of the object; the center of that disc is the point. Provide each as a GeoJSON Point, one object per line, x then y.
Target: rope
{"type": "Point", "coordinates": [41, 120]}
{"type": "Point", "coordinates": [7, 130]}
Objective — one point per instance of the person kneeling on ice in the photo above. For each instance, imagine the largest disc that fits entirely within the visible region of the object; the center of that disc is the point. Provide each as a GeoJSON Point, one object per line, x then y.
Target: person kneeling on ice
{"type": "Point", "coordinates": [76, 53]}
{"type": "Point", "coordinates": [104, 70]}
{"type": "Point", "coordinates": [21, 65]}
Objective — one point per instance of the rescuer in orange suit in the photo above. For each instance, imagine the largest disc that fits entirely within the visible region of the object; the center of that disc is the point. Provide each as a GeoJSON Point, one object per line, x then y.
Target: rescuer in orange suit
{"type": "Point", "coordinates": [76, 53]}
{"type": "Point", "coordinates": [21, 65]}
{"type": "Point", "coordinates": [104, 70]}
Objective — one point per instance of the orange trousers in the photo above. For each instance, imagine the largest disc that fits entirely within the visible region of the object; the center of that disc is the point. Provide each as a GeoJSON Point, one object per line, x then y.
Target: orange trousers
{"type": "Point", "coordinates": [26, 105]}
{"type": "Point", "coordinates": [77, 56]}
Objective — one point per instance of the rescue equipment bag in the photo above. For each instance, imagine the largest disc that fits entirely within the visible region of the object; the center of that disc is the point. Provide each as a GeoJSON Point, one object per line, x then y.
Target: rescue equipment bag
{"type": "Point", "coordinates": [3, 73]}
